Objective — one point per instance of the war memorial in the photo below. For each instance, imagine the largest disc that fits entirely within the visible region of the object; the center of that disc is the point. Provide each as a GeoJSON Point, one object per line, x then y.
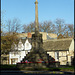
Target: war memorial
{"type": "Point", "coordinates": [37, 57]}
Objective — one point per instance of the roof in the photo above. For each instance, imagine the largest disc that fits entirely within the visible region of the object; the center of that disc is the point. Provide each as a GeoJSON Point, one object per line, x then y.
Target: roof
{"type": "Point", "coordinates": [24, 40]}
{"type": "Point", "coordinates": [57, 44]}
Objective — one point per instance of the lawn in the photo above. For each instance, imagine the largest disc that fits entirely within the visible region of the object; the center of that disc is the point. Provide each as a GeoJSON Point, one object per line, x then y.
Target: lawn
{"type": "Point", "coordinates": [8, 67]}
{"type": "Point", "coordinates": [68, 68]}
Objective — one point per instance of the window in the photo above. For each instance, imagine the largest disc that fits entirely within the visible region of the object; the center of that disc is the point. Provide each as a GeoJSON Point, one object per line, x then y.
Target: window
{"type": "Point", "coordinates": [15, 53]}
{"type": "Point", "coordinates": [26, 52]}
{"type": "Point", "coordinates": [56, 55]}
{"type": "Point", "coordinates": [14, 60]}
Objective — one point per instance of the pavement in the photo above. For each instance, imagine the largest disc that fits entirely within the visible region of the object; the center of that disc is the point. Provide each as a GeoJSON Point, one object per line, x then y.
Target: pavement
{"type": "Point", "coordinates": [36, 72]}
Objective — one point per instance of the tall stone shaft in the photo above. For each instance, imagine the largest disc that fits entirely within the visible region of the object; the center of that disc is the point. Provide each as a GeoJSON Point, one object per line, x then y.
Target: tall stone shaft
{"type": "Point", "coordinates": [36, 17]}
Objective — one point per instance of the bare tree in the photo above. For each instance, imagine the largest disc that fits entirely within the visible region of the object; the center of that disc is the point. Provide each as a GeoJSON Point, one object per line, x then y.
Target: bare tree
{"type": "Point", "coordinates": [13, 25]}
{"type": "Point", "coordinates": [29, 27]}
{"type": "Point", "coordinates": [32, 26]}
{"type": "Point", "coordinates": [52, 28]}
{"type": "Point", "coordinates": [46, 26]}
{"type": "Point", "coordinates": [60, 26]}
{"type": "Point", "coordinates": [9, 26]}
{"type": "Point", "coordinates": [71, 30]}
{"type": "Point", "coordinates": [2, 20]}
{"type": "Point", "coordinates": [25, 28]}
{"type": "Point", "coordinates": [16, 26]}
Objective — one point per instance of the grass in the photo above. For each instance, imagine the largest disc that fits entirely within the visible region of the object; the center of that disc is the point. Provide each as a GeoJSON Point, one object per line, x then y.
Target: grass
{"type": "Point", "coordinates": [41, 69]}
{"type": "Point", "coordinates": [68, 68]}
{"type": "Point", "coordinates": [8, 67]}
{"type": "Point", "coordinates": [13, 67]}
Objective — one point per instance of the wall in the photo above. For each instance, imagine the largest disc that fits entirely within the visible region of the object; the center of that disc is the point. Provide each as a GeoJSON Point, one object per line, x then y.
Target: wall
{"type": "Point", "coordinates": [16, 55]}
{"type": "Point", "coordinates": [71, 52]}
{"type": "Point", "coordinates": [4, 59]}
{"type": "Point", "coordinates": [62, 57]}
{"type": "Point", "coordinates": [71, 48]}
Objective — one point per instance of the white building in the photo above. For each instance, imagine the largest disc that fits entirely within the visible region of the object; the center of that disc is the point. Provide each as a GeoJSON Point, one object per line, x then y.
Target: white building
{"type": "Point", "coordinates": [19, 51]}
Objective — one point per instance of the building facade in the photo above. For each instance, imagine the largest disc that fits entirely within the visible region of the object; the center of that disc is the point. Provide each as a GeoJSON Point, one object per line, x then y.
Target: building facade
{"type": "Point", "coordinates": [61, 50]}
{"type": "Point", "coordinates": [20, 51]}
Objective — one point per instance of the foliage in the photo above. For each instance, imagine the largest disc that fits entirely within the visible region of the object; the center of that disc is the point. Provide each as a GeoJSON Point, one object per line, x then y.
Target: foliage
{"type": "Point", "coordinates": [6, 42]}
{"type": "Point", "coordinates": [60, 36]}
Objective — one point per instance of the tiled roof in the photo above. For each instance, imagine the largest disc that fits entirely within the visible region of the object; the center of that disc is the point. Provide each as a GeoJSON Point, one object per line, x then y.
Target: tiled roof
{"type": "Point", "coordinates": [57, 44]}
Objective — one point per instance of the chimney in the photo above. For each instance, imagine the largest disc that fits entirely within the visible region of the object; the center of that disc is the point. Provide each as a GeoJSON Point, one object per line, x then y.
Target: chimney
{"type": "Point", "coordinates": [29, 35]}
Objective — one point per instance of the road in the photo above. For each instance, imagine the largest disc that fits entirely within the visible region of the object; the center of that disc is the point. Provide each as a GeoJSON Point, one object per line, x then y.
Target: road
{"type": "Point", "coordinates": [35, 73]}
{"type": "Point", "coordinates": [31, 74]}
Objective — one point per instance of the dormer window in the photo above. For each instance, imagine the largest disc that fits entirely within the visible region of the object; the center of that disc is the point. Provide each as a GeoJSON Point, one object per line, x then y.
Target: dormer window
{"type": "Point", "coordinates": [27, 45]}
{"type": "Point", "coordinates": [57, 55]}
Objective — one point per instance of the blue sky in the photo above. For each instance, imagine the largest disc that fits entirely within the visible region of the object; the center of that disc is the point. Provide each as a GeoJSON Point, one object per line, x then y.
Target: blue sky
{"type": "Point", "coordinates": [47, 10]}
